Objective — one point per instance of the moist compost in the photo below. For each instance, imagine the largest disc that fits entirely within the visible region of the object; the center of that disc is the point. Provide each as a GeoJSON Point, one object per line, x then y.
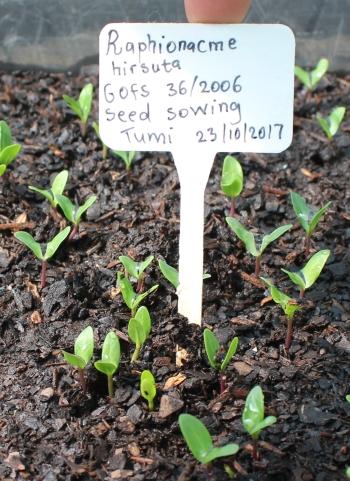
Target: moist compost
{"type": "Point", "coordinates": [50, 430]}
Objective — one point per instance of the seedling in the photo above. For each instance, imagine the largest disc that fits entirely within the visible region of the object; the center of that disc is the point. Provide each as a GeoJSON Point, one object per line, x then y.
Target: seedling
{"type": "Point", "coordinates": [136, 269]}
{"type": "Point", "coordinates": [213, 350]}
{"type": "Point", "coordinates": [148, 388]}
{"type": "Point", "coordinates": [109, 362]}
{"type": "Point", "coordinates": [127, 157]}
{"type": "Point", "coordinates": [248, 239]}
{"type": "Point", "coordinates": [308, 275]}
{"type": "Point", "coordinates": [232, 180]}
{"type": "Point", "coordinates": [83, 350]}
{"type": "Point", "coordinates": [131, 298]}
{"type": "Point", "coordinates": [8, 150]}
{"type": "Point", "coordinates": [253, 417]}
{"type": "Point", "coordinates": [171, 274]}
{"type": "Point", "coordinates": [139, 328]}
{"type": "Point", "coordinates": [311, 78]}
{"type": "Point", "coordinates": [73, 212]}
{"type": "Point", "coordinates": [199, 440]}
{"type": "Point", "coordinates": [307, 217]}
{"type": "Point", "coordinates": [57, 188]}
{"type": "Point", "coordinates": [347, 472]}
{"type": "Point", "coordinates": [330, 124]}
{"type": "Point", "coordinates": [96, 128]}
{"type": "Point", "coordinates": [289, 306]}
{"type": "Point", "coordinates": [347, 397]}
{"type": "Point", "coordinates": [82, 106]}
{"type": "Point", "coordinates": [51, 247]}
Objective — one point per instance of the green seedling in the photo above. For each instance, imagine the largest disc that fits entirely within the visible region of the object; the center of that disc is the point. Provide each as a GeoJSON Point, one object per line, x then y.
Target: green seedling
{"type": "Point", "coordinates": [308, 275]}
{"type": "Point", "coordinates": [8, 150]}
{"type": "Point", "coordinates": [83, 350]}
{"type": "Point", "coordinates": [347, 397]}
{"type": "Point", "coordinates": [139, 328]}
{"type": "Point", "coordinates": [330, 124]}
{"type": "Point", "coordinates": [131, 298]}
{"type": "Point", "coordinates": [171, 274]}
{"type": "Point", "coordinates": [311, 78]}
{"type": "Point", "coordinates": [136, 270]}
{"type": "Point", "coordinates": [347, 472]}
{"type": "Point", "coordinates": [214, 350]}
{"type": "Point", "coordinates": [96, 128]}
{"type": "Point", "coordinates": [73, 212]}
{"type": "Point", "coordinates": [127, 157]}
{"type": "Point", "coordinates": [51, 247]}
{"type": "Point", "coordinates": [110, 357]}
{"type": "Point", "coordinates": [289, 306]}
{"type": "Point", "coordinates": [253, 417]}
{"type": "Point", "coordinates": [82, 106]}
{"type": "Point", "coordinates": [57, 188]}
{"type": "Point", "coordinates": [232, 180]}
{"type": "Point", "coordinates": [199, 440]}
{"type": "Point", "coordinates": [307, 217]}
{"type": "Point", "coordinates": [148, 388]}
{"type": "Point", "coordinates": [248, 239]}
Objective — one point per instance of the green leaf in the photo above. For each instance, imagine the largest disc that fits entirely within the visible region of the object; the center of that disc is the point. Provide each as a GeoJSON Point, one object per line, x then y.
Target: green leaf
{"type": "Point", "coordinates": [316, 218]}
{"type": "Point", "coordinates": [110, 357]}
{"type": "Point", "coordinates": [127, 156]}
{"type": "Point", "coordinates": [244, 235]}
{"type": "Point", "coordinates": [83, 208]}
{"type": "Point", "coordinates": [9, 153]}
{"type": "Point", "coordinates": [140, 297]}
{"type": "Point", "coordinates": [130, 266]}
{"type": "Point", "coordinates": [84, 344]}
{"type": "Point", "coordinates": [347, 472]}
{"type": "Point", "coordinates": [74, 360]}
{"type": "Point", "coordinates": [28, 240]}
{"type": "Point", "coordinates": [107, 368]}
{"type": "Point", "coordinates": [148, 387]}
{"type": "Point", "coordinates": [59, 183]}
{"type": "Point", "coordinates": [347, 397]}
{"type": "Point", "coordinates": [302, 211]}
{"type": "Point", "coordinates": [5, 135]}
{"type": "Point", "coordinates": [143, 317]}
{"type": "Point", "coordinates": [267, 239]}
{"type": "Point", "coordinates": [264, 424]}
{"type": "Point", "coordinates": [296, 277]}
{"type": "Point", "coordinates": [318, 72]}
{"type": "Point", "coordinates": [85, 101]}
{"type": "Point", "coordinates": [230, 353]}
{"type": "Point", "coordinates": [253, 414]}
{"type": "Point", "coordinates": [68, 208]}
{"type": "Point", "coordinates": [142, 266]}
{"type": "Point", "coordinates": [45, 193]}
{"type": "Point", "coordinates": [96, 128]}
{"type": "Point", "coordinates": [314, 266]}
{"type": "Point", "coordinates": [212, 346]}
{"type": "Point", "coordinates": [288, 304]}
{"type": "Point", "coordinates": [330, 124]}
{"type": "Point", "coordinates": [74, 106]}
{"type": "Point", "coordinates": [54, 244]}
{"type": "Point", "coordinates": [169, 272]}
{"type": "Point", "coordinates": [222, 452]}
{"type": "Point", "coordinates": [136, 332]}
{"type": "Point", "coordinates": [231, 177]}
{"type": "Point", "coordinates": [2, 169]}
{"type": "Point", "coordinates": [126, 289]}
{"type": "Point", "coordinates": [303, 76]}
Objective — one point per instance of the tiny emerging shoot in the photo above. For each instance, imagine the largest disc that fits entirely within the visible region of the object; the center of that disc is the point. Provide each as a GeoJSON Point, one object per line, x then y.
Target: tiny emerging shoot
{"type": "Point", "coordinates": [248, 239]}
{"type": "Point", "coordinates": [311, 78]}
{"type": "Point", "coordinates": [307, 217]}
{"type": "Point", "coordinates": [83, 350]}
{"type": "Point", "coordinates": [330, 124]}
{"type": "Point", "coordinates": [213, 350]}
{"type": "Point", "coordinates": [110, 357]}
{"type": "Point", "coordinates": [308, 275]}
{"type": "Point", "coordinates": [131, 298]}
{"type": "Point", "coordinates": [253, 417]}
{"type": "Point", "coordinates": [82, 106]}
{"type": "Point", "coordinates": [199, 440]}
{"type": "Point", "coordinates": [289, 306]}
{"type": "Point", "coordinates": [232, 180]}
{"type": "Point", "coordinates": [57, 188]}
{"type": "Point", "coordinates": [96, 128]}
{"type": "Point", "coordinates": [51, 247]}
{"type": "Point", "coordinates": [148, 388]}
{"type": "Point", "coordinates": [136, 269]}
{"type": "Point", "coordinates": [171, 274]}
{"type": "Point", "coordinates": [8, 150]}
{"type": "Point", "coordinates": [127, 157]}
{"type": "Point", "coordinates": [73, 212]}
{"type": "Point", "coordinates": [139, 328]}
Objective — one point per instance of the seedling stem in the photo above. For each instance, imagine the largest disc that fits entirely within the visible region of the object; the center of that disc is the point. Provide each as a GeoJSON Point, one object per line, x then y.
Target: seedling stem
{"type": "Point", "coordinates": [82, 380]}
{"type": "Point", "coordinates": [257, 266]}
{"type": "Point", "coordinates": [43, 274]}
{"type": "Point", "coordinates": [289, 336]}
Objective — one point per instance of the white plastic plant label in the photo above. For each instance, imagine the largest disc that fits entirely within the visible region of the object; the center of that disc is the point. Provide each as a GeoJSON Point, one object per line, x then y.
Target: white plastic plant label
{"type": "Point", "coordinates": [195, 90]}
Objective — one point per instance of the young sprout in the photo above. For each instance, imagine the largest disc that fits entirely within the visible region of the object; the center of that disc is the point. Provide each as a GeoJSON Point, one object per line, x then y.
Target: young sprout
{"type": "Point", "coordinates": [171, 274]}
{"type": "Point", "coordinates": [8, 150]}
{"type": "Point", "coordinates": [311, 78]}
{"type": "Point", "coordinates": [248, 239]}
{"type": "Point", "coordinates": [307, 217]}
{"type": "Point", "coordinates": [83, 350]}
{"type": "Point", "coordinates": [308, 275]}
{"type": "Point", "coordinates": [57, 188]}
{"type": "Point", "coordinates": [73, 212]}
{"type": "Point", "coordinates": [127, 156]}
{"type": "Point", "coordinates": [232, 180]}
{"type": "Point", "coordinates": [330, 124]}
{"type": "Point", "coordinates": [51, 247]}
{"type": "Point", "coordinates": [199, 440]}
{"type": "Point", "coordinates": [347, 472]}
{"type": "Point", "coordinates": [131, 298]}
{"type": "Point", "coordinates": [136, 269]}
{"type": "Point", "coordinates": [148, 388]}
{"type": "Point", "coordinates": [253, 417]}
{"type": "Point", "coordinates": [96, 128]}
{"type": "Point", "coordinates": [82, 106]}
{"type": "Point", "coordinates": [347, 397]}
{"type": "Point", "coordinates": [213, 350]}
{"type": "Point", "coordinates": [289, 306]}
{"type": "Point", "coordinates": [109, 362]}
{"type": "Point", "coordinates": [139, 328]}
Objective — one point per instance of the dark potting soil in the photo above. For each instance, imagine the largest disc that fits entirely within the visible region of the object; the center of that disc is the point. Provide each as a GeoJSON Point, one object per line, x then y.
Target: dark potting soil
{"type": "Point", "coordinates": [50, 430]}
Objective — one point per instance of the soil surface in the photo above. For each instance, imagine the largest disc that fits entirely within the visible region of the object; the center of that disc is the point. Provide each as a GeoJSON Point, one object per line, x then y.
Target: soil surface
{"type": "Point", "coordinates": [50, 430]}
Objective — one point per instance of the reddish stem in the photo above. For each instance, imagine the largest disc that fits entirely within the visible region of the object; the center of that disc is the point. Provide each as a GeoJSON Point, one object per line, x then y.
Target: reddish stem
{"type": "Point", "coordinates": [289, 336]}
{"type": "Point", "coordinates": [301, 294]}
{"type": "Point", "coordinates": [43, 274]}
{"type": "Point", "coordinates": [255, 453]}
{"type": "Point", "coordinates": [257, 266]}
{"type": "Point", "coordinates": [73, 232]}
{"type": "Point", "coordinates": [233, 207]}
{"type": "Point", "coordinates": [140, 284]}
{"type": "Point", "coordinates": [82, 380]}
{"type": "Point", "coordinates": [223, 385]}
